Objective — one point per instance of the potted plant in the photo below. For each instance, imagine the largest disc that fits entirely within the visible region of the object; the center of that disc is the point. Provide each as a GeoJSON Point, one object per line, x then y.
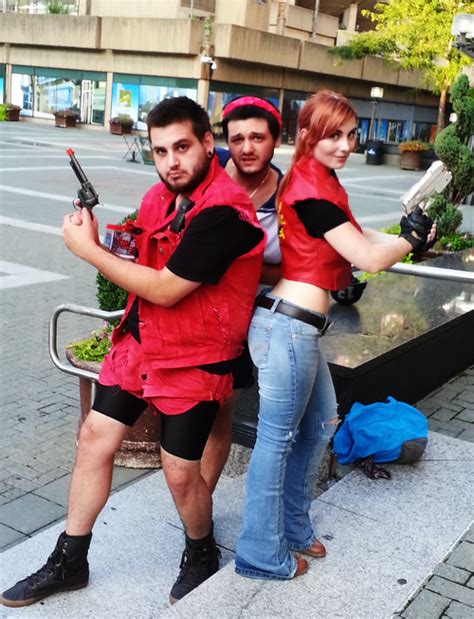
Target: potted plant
{"type": "Point", "coordinates": [66, 118]}
{"type": "Point", "coordinates": [411, 154]}
{"type": "Point", "coordinates": [141, 446]}
{"type": "Point", "coordinates": [10, 111]}
{"type": "Point", "coordinates": [121, 124]}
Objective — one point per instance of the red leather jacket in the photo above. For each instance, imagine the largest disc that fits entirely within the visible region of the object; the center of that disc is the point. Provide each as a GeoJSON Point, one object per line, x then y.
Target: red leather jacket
{"type": "Point", "coordinates": [211, 323]}
{"type": "Point", "coordinates": [305, 258]}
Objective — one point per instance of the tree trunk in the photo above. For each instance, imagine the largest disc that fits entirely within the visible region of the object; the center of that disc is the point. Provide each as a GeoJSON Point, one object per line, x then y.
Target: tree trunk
{"type": "Point", "coordinates": [442, 109]}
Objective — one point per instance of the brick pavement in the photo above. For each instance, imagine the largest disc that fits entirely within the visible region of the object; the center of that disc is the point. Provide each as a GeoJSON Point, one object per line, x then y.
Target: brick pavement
{"type": "Point", "coordinates": [448, 592]}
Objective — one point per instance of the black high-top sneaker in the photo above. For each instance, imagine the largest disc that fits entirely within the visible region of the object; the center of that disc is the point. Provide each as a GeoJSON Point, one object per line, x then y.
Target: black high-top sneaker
{"type": "Point", "coordinates": [200, 560]}
{"type": "Point", "coordinates": [66, 569]}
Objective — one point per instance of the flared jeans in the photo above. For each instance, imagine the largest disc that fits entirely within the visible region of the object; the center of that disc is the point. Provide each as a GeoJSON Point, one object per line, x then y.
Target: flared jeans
{"type": "Point", "coordinates": [295, 423]}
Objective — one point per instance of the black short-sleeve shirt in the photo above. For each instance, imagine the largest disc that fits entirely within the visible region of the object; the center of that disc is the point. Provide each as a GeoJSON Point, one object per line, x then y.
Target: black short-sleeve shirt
{"type": "Point", "coordinates": [319, 216]}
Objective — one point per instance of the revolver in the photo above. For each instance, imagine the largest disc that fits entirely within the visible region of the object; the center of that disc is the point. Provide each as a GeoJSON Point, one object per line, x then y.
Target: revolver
{"type": "Point", "coordinates": [436, 178]}
{"type": "Point", "coordinates": [87, 195]}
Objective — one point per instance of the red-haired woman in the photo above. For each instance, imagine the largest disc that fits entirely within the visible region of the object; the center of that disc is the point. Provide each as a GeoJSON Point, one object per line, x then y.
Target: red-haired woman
{"type": "Point", "coordinates": [319, 240]}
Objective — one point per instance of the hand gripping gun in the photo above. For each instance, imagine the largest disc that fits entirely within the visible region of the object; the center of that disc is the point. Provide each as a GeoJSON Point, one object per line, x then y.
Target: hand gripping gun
{"type": "Point", "coordinates": [436, 178]}
{"type": "Point", "coordinates": [87, 195]}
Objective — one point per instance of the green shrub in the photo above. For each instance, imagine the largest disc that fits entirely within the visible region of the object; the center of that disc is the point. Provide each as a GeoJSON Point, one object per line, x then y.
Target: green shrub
{"type": "Point", "coordinates": [95, 347]}
{"type": "Point", "coordinates": [55, 7]}
{"type": "Point", "coordinates": [447, 145]}
{"type": "Point", "coordinates": [393, 229]}
{"type": "Point", "coordinates": [463, 104]}
{"type": "Point", "coordinates": [451, 146]}
{"type": "Point", "coordinates": [456, 242]}
{"type": "Point", "coordinates": [446, 214]}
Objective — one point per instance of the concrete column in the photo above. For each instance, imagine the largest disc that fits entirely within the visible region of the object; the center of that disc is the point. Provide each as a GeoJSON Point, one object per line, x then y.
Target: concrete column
{"type": "Point", "coordinates": [108, 98]}
{"type": "Point", "coordinates": [8, 75]}
{"type": "Point", "coordinates": [8, 82]}
{"type": "Point", "coordinates": [281, 97]}
{"type": "Point", "coordinates": [203, 92]}
{"type": "Point", "coordinates": [314, 27]}
{"type": "Point", "coordinates": [281, 18]}
{"type": "Point", "coordinates": [350, 17]}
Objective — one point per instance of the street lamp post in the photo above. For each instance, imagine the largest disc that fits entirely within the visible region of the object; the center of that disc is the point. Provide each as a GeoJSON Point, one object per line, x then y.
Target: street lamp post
{"type": "Point", "coordinates": [374, 154]}
{"type": "Point", "coordinates": [463, 29]}
{"type": "Point", "coordinates": [376, 94]}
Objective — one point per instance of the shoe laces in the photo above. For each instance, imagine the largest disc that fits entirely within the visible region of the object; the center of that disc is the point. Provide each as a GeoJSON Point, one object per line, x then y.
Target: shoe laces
{"type": "Point", "coordinates": [194, 562]}
{"type": "Point", "coordinates": [54, 564]}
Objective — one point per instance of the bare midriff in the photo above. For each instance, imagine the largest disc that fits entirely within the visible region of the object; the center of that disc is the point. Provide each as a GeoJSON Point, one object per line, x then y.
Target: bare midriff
{"type": "Point", "coordinates": [302, 294]}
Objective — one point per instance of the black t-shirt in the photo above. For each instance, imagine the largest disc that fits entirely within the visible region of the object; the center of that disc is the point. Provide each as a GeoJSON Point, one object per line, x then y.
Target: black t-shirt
{"type": "Point", "coordinates": [319, 216]}
{"type": "Point", "coordinates": [213, 240]}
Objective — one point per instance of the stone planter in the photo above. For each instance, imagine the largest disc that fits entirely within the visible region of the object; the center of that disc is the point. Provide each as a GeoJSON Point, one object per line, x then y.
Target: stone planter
{"type": "Point", "coordinates": [141, 447]}
{"type": "Point", "coordinates": [120, 129]}
{"type": "Point", "coordinates": [12, 114]}
{"type": "Point", "coordinates": [411, 160]}
{"type": "Point", "coordinates": [66, 122]}
{"type": "Point", "coordinates": [147, 157]}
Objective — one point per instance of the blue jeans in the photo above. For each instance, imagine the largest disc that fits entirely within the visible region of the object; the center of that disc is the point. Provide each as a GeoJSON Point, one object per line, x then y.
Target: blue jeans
{"type": "Point", "coordinates": [295, 423]}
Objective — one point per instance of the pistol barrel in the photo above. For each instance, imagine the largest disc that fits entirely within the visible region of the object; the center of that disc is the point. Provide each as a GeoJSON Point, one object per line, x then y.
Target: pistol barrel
{"type": "Point", "coordinates": [76, 166]}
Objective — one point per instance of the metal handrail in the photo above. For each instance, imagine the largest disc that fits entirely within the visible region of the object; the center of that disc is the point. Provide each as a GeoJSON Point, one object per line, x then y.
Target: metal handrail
{"type": "Point", "coordinates": [454, 275]}
{"type": "Point", "coordinates": [53, 335]}
{"type": "Point", "coordinates": [405, 269]}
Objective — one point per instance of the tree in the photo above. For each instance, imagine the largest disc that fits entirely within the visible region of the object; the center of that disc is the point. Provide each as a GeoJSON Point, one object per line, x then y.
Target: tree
{"type": "Point", "coordinates": [415, 34]}
{"type": "Point", "coordinates": [56, 7]}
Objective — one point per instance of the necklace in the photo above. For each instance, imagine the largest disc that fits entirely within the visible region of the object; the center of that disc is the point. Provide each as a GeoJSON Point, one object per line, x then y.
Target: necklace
{"type": "Point", "coordinates": [252, 193]}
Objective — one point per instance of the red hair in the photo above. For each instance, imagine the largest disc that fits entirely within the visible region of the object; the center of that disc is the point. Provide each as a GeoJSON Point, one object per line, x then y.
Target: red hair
{"type": "Point", "coordinates": [321, 115]}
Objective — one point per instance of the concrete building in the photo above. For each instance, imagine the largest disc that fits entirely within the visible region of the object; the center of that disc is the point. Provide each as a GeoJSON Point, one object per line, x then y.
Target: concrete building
{"type": "Point", "coordinates": [106, 58]}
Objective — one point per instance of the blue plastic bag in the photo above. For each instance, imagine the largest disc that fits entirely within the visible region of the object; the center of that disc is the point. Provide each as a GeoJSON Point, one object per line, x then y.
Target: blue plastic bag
{"type": "Point", "coordinates": [384, 431]}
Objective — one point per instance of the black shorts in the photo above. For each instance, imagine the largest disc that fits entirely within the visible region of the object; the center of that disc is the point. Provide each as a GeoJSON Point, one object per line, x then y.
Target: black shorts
{"type": "Point", "coordinates": [184, 435]}
{"type": "Point", "coordinates": [242, 370]}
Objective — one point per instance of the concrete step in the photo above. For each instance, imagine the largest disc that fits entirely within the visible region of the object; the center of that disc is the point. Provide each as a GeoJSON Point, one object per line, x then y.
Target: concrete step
{"type": "Point", "coordinates": [383, 538]}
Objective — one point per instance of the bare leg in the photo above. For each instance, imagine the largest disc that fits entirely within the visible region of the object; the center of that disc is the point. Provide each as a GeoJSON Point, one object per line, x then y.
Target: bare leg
{"type": "Point", "coordinates": [218, 444]}
{"type": "Point", "coordinates": [100, 438]}
{"type": "Point", "coordinates": [190, 493]}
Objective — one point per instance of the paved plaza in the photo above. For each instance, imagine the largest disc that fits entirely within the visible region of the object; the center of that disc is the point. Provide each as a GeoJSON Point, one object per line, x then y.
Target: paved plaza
{"type": "Point", "coordinates": [39, 405]}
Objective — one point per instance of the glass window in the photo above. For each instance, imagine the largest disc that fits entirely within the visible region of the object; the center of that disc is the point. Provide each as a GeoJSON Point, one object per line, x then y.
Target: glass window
{"type": "Point", "coordinates": [423, 131]}
{"type": "Point", "coordinates": [53, 94]}
{"type": "Point", "coordinates": [22, 92]}
{"type": "Point", "coordinates": [390, 131]}
{"type": "Point", "coordinates": [137, 96]}
{"type": "Point", "coordinates": [98, 102]}
{"type": "Point", "coordinates": [363, 130]}
{"type": "Point", "coordinates": [149, 96]}
{"type": "Point", "coordinates": [125, 99]}
{"type": "Point", "coordinates": [396, 131]}
{"type": "Point", "coordinates": [48, 90]}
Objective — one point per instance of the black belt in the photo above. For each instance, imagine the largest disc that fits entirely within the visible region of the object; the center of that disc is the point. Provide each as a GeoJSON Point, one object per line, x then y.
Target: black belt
{"type": "Point", "coordinates": [283, 307]}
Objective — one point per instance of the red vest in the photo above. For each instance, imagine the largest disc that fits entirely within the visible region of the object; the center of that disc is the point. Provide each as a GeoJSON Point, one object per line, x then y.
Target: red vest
{"type": "Point", "coordinates": [211, 323]}
{"type": "Point", "coordinates": [305, 258]}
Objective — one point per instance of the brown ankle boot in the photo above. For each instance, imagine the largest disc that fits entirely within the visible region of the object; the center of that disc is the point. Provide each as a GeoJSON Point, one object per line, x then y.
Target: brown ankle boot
{"type": "Point", "coordinates": [301, 566]}
{"type": "Point", "coordinates": [316, 550]}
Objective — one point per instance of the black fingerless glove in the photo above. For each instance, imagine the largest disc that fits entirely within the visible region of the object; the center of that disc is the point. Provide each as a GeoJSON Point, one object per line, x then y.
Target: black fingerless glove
{"type": "Point", "coordinates": [415, 228]}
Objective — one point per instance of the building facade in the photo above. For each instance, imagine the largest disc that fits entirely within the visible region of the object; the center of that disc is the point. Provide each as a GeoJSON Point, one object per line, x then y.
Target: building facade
{"type": "Point", "coordinates": [107, 58]}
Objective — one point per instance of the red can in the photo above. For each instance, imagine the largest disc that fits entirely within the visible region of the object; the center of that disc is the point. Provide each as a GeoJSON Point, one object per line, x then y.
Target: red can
{"type": "Point", "coordinates": [120, 241]}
